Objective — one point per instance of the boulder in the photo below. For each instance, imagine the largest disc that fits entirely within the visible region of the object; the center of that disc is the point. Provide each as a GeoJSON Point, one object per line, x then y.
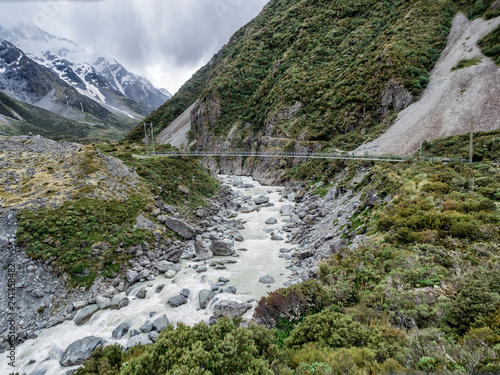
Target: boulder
{"type": "Point", "coordinates": [202, 248]}
{"type": "Point", "coordinates": [276, 237]}
{"type": "Point", "coordinates": [163, 266]}
{"type": "Point", "coordinates": [185, 292]}
{"type": "Point", "coordinates": [180, 227]}
{"type": "Point", "coordinates": [261, 200]}
{"type": "Point", "coordinates": [120, 331]}
{"type": "Point", "coordinates": [235, 225]}
{"type": "Point", "coordinates": [132, 276]}
{"type": "Point", "coordinates": [271, 221]}
{"type": "Point", "coordinates": [79, 351]}
{"type": "Point", "coordinates": [222, 248]}
{"type": "Point", "coordinates": [230, 309]}
{"type": "Point", "coordinates": [267, 279]}
{"type": "Point", "coordinates": [153, 336]}
{"type": "Point", "coordinates": [141, 294]}
{"type": "Point", "coordinates": [230, 289]}
{"type": "Point", "coordinates": [138, 340]}
{"type": "Point", "coordinates": [170, 274]}
{"type": "Point", "coordinates": [248, 207]}
{"type": "Point", "coordinates": [337, 245]}
{"type": "Point", "coordinates": [161, 322]}
{"type": "Point", "coordinates": [287, 210]}
{"type": "Point", "coordinates": [205, 296]}
{"type": "Point", "coordinates": [237, 236]}
{"type": "Point", "coordinates": [103, 302]}
{"type": "Point", "coordinates": [84, 314]}
{"type": "Point", "coordinates": [146, 327]}
{"type": "Point", "coordinates": [177, 301]}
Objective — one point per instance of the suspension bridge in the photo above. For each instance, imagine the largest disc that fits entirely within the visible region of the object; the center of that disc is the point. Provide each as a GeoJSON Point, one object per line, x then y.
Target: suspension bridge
{"type": "Point", "coordinates": [300, 155]}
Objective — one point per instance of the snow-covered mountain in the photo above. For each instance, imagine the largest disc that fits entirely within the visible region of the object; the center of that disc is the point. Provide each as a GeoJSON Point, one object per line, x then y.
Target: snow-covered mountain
{"type": "Point", "coordinates": [100, 78]}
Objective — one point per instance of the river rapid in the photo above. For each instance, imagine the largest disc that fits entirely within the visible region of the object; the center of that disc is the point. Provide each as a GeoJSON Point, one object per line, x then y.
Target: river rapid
{"type": "Point", "coordinates": [256, 256]}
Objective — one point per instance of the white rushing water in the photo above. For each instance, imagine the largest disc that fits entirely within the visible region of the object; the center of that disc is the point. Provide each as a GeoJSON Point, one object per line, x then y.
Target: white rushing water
{"type": "Point", "coordinates": [262, 257]}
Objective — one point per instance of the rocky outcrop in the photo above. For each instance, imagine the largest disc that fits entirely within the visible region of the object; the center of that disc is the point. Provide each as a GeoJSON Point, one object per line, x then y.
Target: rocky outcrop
{"type": "Point", "coordinates": [79, 351]}
{"type": "Point", "coordinates": [180, 227]}
{"type": "Point", "coordinates": [230, 309]}
{"type": "Point", "coordinates": [395, 97]}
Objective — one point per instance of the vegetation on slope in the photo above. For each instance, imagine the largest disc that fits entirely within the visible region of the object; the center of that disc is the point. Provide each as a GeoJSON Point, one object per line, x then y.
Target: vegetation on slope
{"type": "Point", "coordinates": [422, 294]}
{"type": "Point", "coordinates": [336, 59]}
{"type": "Point", "coordinates": [88, 235]}
{"type": "Point", "coordinates": [490, 44]}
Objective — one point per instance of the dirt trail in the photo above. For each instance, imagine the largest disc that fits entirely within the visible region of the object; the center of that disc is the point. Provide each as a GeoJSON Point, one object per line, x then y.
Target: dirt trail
{"type": "Point", "coordinates": [446, 106]}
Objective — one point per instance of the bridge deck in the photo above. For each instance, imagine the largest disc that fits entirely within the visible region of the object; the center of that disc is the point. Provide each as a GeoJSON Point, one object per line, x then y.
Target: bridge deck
{"type": "Point", "coordinates": [302, 155]}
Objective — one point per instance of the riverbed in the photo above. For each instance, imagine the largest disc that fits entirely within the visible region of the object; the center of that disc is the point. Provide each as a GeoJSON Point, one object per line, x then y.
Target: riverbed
{"type": "Point", "coordinates": [237, 280]}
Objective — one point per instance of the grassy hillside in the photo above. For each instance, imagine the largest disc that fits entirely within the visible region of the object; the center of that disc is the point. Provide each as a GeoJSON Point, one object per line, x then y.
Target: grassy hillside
{"type": "Point", "coordinates": [336, 58]}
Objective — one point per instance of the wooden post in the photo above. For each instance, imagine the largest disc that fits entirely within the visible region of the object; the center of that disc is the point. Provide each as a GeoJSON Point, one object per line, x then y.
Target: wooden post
{"type": "Point", "coordinates": [471, 152]}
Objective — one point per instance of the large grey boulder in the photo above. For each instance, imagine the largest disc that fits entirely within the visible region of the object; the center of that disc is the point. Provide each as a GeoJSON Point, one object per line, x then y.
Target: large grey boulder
{"type": "Point", "coordinates": [202, 248]}
{"type": "Point", "coordinates": [120, 331]}
{"type": "Point", "coordinates": [235, 225]}
{"type": "Point", "coordinates": [276, 237]}
{"type": "Point", "coordinates": [161, 322]}
{"type": "Point", "coordinates": [237, 236]}
{"type": "Point", "coordinates": [271, 221]}
{"type": "Point", "coordinates": [103, 302]}
{"type": "Point", "coordinates": [79, 351]}
{"type": "Point", "coordinates": [132, 276]}
{"type": "Point", "coordinates": [267, 279]}
{"type": "Point", "coordinates": [249, 207]}
{"type": "Point", "coordinates": [138, 340]}
{"type": "Point", "coordinates": [84, 314]}
{"type": "Point", "coordinates": [177, 301]}
{"type": "Point", "coordinates": [231, 309]}
{"type": "Point", "coordinates": [222, 248]}
{"type": "Point", "coordinates": [261, 200]}
{"type": "Point", "coordinates": [180, 227]}
{"type": "Point", "coordinates": [205, 296]}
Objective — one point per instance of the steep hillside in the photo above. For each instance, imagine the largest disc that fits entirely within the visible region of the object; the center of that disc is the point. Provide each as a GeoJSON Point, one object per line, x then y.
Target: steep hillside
{"type": "Point", "coordinates": [330, 73]}
{"type": "Point", "coordinates": [464, 88]}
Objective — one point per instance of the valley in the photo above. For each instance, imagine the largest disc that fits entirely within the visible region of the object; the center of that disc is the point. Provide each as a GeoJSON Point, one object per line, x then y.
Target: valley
{"type": "Point", "coordinates": [215, 262]}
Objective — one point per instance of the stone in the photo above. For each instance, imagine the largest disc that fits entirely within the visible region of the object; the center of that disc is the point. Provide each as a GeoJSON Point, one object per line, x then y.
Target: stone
{"type": "Point", "coordinates": [291, 197]}
{"type": "Point", "coordinates": [124, 302]}
{"type": "Point", "coordinates": [271, 221]}
{"type": "Point", "coordinates": [84, 314]}
{"type": "Point", "coordinates": [202, 248]}
{"type": "Point", "coordinates": [337, 245]}
{"type": "Point", "coordinates": [134, 332]}
{"type": "Point", "coordinates": [146, 327]}
{"type": "Point", "coordinates": [201, 269]}
{"type": "Point", "coordinates": [183, 189]}
{"type": "Point", "coordinates": [161, 322]}
{"type": "Point", "coordinates": [170, 274]}
{"type": "Point", "coordinates": [248, 207]}
{"type": "Point", "coordinates": [261, 200]}
{"type": "Point", "coordinates": [141, 294]}
{"type": "Point", "coordinates": [222, 248]}
{"type": "Point", "coordinates": [285, 251]}
{"type": "Point", "coordinates": [185, 292]}
{"type": "Point", "coordinates": [230, 309]}
{"type": "Point", "coordinates": [267, 205]}
{"type": "Point", "coordinates": [287, 210]}
{"type": "Point", "coordinates": [103, 302]}
{"type": "Point", "coordinates": [163, 266]}
{"type": "Point", "coordinates": [230, 289]}
{"type": "Point", "coordinates": [79, 351]}
{"type": "Point", "coordinates": [235, 225]}
{"type": "Point", "coordinates": [180, 227]}
{"type": "Point", "coordinates": [267, 279]}
{"type": "Point", "coordinates": [205, 296]}
{"type": "Point", "coordinates": [120, 331]}
{"type": "Point", "coordinates": [144, 274]}
{"type": "Point", "coordinates": [177, 301]}
{"type": "Point", "coordinates": [305, 254]}
{"type": "Point", "coordinates": [276, 237]}
{"type": "Point", "coordinates": [132, 276]}
{"type": "Point", "coordinates": [237, 236]}
{"type": "Point", "coordinates": [79, 304]}
{"type": "Point", "coordinates": [153, 336]}
{"type": "Point", "coordinates": [138, 340]}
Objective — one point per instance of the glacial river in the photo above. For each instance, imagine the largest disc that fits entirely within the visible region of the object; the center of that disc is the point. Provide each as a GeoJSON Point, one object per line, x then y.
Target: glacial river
{"type": "Point", "coordinates": [262, 257]}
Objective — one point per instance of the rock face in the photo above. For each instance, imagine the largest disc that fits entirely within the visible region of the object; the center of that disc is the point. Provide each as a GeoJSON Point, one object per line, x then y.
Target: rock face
{"type": "Point", "coordinates": [79, 351]}
{"type": "Point", "coordinates": [180, 227]}
{"type": "Point", "coordinates": [84, 314]}
{"type": "Point", "coordinates": [231, 309]}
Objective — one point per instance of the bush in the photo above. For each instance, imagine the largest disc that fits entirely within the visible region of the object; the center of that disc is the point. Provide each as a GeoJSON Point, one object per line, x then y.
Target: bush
{"type": "Point", "coordinates": [223, 348]}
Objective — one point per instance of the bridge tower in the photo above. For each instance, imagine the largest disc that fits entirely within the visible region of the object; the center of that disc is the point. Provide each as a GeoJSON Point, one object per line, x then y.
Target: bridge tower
{"type": "Point", "coordinates": [149, 138]}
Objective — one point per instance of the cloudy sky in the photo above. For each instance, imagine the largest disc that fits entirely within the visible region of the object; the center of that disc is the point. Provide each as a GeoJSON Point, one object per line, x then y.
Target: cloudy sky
{"type": "Point", "coordinates": [164, 40]}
